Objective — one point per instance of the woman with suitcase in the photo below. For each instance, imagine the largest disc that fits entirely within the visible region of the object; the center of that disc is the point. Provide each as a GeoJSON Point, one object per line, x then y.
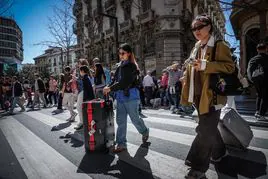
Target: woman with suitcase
{"type": "Point", "coordinates": [208, 143]}
{"type": "Point", "coordinates": [125, 86]}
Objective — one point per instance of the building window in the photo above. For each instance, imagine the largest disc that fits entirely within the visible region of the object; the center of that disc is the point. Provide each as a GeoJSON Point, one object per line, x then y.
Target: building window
{"type": "Point", "coordinates": [127, 13]}
{"type": "Point", "coordinates": [146, 5]}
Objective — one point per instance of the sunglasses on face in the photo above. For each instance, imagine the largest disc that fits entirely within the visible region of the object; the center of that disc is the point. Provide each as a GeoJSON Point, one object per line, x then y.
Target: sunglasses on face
{"type": "Point", "coordinates": [198, 27]}
{"type": "Point", "coordinates": [122, 53]}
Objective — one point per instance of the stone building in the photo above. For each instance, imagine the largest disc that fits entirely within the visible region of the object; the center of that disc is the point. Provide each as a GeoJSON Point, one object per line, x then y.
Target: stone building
{"type": "Point", "coordinates": [250, 23]}
{"type": "Point", "coordinates": [159, 31]}
{"type": "Point", "coordinates": [11, 45]}
{"type": "Point", "coordinates": [54, 60]}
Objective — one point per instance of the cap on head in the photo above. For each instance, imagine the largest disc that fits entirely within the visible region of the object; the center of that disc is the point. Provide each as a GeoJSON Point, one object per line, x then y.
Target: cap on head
{"type": "Point", "coordinates": [96, 60]}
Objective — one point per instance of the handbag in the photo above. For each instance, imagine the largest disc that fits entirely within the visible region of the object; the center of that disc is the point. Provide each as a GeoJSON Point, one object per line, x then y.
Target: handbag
{"type": "Point", "coordinates": [225, 84]}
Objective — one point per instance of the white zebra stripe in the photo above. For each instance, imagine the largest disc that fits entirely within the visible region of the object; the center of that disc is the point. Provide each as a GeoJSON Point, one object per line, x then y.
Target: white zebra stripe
{"type": "Point", "coordinates": [37, 158]}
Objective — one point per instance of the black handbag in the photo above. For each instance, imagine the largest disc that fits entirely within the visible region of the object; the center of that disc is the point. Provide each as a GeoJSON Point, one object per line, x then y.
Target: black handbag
{"type": "Point", "coordinates": [225, 84]}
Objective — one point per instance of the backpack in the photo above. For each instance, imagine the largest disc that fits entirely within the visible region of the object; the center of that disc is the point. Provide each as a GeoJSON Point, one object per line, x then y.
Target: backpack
{"type": "Point", "coordinates": [225, 84]}
{"type": "Point", "coordinates": [258, 73]}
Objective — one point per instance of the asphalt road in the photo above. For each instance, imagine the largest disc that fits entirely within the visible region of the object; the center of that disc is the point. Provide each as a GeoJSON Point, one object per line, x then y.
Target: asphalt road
{"type": "Point", "coordinates": [39, 145]}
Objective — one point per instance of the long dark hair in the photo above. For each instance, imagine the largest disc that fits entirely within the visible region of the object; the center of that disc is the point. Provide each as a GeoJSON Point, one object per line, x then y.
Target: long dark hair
{"type": "Point", "coordinates": [99, 71]}
{"type": "Point", "coordinates": [126, 47]}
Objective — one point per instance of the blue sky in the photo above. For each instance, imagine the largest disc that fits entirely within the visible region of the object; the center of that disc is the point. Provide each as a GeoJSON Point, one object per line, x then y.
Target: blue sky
{"type": "Point", "coordinates": [31, 16]}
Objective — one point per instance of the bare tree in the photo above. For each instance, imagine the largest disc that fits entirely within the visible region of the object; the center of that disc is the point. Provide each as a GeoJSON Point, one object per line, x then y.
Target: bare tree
{"type": "Point", "coordinates": [60, 27]}
{"type": "Point", "coordinates": [5, 6]}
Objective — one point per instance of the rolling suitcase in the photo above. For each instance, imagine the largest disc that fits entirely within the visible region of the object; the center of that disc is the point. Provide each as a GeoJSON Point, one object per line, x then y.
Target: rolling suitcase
{"type": "Point", "coordinates": [235, 130]}
{"type": "Point", "coordinates": [99, 125]}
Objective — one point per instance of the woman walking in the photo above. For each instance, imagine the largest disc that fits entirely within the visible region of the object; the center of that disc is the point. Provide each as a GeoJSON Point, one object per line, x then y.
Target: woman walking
{"type": "Point", "coordinates": [125, 86]}
{"type": "Point", "coordinates": [208, 144]}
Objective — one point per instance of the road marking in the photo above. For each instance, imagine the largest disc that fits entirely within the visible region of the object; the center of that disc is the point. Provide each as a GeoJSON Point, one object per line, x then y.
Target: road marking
{"type": "Point", "coordinates": [175, 137]}
{"type": "Point", "coordinates": [191, 124]}
{"type": "Point", "coordinates": [37, 158]}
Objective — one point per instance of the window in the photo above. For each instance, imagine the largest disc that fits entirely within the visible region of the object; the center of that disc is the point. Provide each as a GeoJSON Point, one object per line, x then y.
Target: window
{"type": "Point", "coordinates": [111, 20]}
{"type": "Point", "coordinates": [146, 5]}
{"type": "Point", "coordinates": [127, 12]}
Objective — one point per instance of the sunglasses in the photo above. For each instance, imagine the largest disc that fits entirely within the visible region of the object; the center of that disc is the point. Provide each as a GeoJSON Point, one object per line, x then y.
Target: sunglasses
{"type": "Point", "coordinates": [198, 27]}
{"type": "Point", "coordinates": [122, 53]}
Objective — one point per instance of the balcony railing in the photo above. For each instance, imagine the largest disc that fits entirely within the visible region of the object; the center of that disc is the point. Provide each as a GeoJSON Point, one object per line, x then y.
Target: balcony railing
{"type": "Point", "coordinates": [146, 16]}
{"type": "Point", "coordinates": [109, 4]}
{"type": "Point", "coordinates": [98, 37]}
{"type": "Point", "coordinates": [126, 25]}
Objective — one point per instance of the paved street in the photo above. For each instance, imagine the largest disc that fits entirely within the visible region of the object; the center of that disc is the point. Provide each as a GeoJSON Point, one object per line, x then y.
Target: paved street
{"type": "Point", "coordinates": [39, 145]}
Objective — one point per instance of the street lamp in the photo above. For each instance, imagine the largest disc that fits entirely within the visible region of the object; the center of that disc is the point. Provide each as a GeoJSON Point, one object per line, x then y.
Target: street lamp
{"type": "Point", "coordinates": [116, 30]}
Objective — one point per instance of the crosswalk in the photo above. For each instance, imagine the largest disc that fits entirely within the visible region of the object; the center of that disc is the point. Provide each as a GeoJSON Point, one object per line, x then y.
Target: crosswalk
{"type": "Point", "coordinates": [170, 140]}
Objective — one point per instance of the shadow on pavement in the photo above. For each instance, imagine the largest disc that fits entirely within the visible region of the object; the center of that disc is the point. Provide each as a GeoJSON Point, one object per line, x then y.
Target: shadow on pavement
{"type": "Point", "coordinates": [68, 138]}
{"type": "Point", "coordinates": [234, 166]}
{"type": "Point", "coordinates": [61, 126]}
{"type": "Point", "coordinates": [100, 165]}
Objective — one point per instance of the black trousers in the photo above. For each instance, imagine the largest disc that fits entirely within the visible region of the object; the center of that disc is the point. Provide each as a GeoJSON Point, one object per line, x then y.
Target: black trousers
{"type": "Point", "coordinates": [50, 94]}
{"type": "Point", "coordinates": [60, 101]}
{"type": "Point", "coordinates": [208, 142]}
{"type": "Point", "coordinates": [262, 98]}
{"type": "Point", "coordinates": [148, 95]}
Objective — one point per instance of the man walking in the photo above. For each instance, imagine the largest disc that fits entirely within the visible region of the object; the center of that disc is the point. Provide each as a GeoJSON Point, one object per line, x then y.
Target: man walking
{"type": "Point", "coordinates": [39, 92]}
{"type": "Point", "coordinates": [69, 92]}
{"type": "Point", "coordinates": [16, 95]}
{"type": "Point", "coordinates": [148, 84]}
{"type": "Point", "coordinates": [257, 73]}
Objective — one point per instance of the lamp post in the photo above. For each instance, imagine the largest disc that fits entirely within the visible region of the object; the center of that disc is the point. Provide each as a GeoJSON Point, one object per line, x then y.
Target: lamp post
{"type": "Point", "coordinates": [116, 30]}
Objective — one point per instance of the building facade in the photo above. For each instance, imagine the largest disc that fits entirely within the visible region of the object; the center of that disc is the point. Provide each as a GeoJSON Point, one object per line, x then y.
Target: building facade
{"type": "Point", "coordinates": [54, 60]}
{"type": "Point", "coordinates": [11, 46]}
{"type": "Point", "coordinates": [250, 23]}
{"type": "Point", "coordinates": [159, 31]}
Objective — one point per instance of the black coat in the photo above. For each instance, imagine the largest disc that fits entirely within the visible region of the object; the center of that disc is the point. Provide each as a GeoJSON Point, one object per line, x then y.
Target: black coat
{"type": "Point", "coordinates": [260, 59]}
{"type": "Point", "coordinates": [88, 90]}
{"type": "Point", "coordinates": [41, 86]}
{"type": "Point", "coordinates": [17, 89]}
{"type": "Point", "coordinates": [128, 73]}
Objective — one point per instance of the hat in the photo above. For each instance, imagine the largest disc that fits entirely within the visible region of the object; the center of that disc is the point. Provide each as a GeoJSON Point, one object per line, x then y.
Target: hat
{"type": "Point", "coordinates": [96, 60]}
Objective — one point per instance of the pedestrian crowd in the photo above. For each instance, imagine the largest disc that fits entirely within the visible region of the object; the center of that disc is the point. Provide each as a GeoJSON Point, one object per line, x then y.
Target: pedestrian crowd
{"type": "Point", "coordinates": [182, 88]}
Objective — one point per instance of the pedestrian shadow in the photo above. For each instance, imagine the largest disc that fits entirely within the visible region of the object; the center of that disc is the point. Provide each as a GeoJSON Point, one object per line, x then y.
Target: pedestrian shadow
{"type": "Point", "coordinates": [61, 126]}
{"type": "Point", "coordinates": [69, 138]}
{"type": "Point", "coordinates": [234, 166]}
{"type": "Point", "coordinates": [98, 165]}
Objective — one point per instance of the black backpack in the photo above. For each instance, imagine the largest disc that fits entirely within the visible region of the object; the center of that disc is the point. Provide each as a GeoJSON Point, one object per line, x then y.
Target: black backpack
{"type": "Point", "coordinates": [225, 84]}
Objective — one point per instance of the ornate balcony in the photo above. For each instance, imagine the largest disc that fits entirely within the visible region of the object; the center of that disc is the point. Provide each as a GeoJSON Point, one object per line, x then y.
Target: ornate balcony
{"type": "Point", "coordinates": [109, 4]}
{"type": "Point", "coordinates": [146, 16]}
{"type": "Point", "coordinates": [126, 25]}
{"type": "Point", "coordinates": [110, 32]}
{"type": "Point", "coordinates": [98, 37]}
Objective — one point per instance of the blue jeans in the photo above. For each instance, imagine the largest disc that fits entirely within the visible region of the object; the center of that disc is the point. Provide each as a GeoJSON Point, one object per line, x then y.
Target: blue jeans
{"type": "Point", "coordinates": [123, 109]}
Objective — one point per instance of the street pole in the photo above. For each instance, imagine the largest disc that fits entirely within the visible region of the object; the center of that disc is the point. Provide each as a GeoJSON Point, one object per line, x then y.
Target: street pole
{"type": "Point", "coordinates": [116, 31]}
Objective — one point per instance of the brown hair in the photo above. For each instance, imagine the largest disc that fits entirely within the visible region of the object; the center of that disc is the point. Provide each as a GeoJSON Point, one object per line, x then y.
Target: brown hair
{"type": "Point", "coordinates": [126, 47]}
{"type": "Point", "coordinates": [83, 62]}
